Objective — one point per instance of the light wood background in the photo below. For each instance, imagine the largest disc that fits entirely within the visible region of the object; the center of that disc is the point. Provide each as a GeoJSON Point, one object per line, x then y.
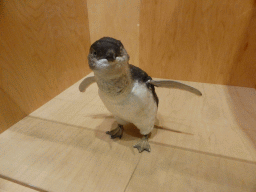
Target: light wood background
{"type": "Point", "coordinates": [243, 71]}
{"type": "Point", "coordinates": [43, 51]}
{"type": "Point", "coordinates": [205, 41]}
{"type": "Point", "coordinates": [118, 19]}
{"type": "Point", "coordinates": [201, 144]}
{"type": "Point", "coordinates": [44, 44]}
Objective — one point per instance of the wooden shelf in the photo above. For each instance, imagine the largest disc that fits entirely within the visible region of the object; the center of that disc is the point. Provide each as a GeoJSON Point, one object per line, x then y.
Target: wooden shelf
{"type": "Point", "coordinates": [203, 143]}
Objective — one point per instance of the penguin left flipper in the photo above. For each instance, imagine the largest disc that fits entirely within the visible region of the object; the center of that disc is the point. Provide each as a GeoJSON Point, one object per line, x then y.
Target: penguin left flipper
{"type": "Point", "coordinates": [174, 84]}
{"type": "Point", "coordinates": [143, 144]}
{"type": "Point", "coordinates": [86, 83]}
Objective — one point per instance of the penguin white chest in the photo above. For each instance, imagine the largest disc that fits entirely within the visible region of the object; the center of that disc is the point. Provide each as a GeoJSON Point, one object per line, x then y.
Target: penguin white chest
{"type": "Point", "coordinates": [137, 107]}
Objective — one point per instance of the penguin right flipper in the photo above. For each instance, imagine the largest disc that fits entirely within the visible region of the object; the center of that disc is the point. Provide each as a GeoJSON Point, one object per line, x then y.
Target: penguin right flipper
{"type": "Point", "coordinates": [174, 84]}
{"type": "Point", "coordinates": [86, 83]}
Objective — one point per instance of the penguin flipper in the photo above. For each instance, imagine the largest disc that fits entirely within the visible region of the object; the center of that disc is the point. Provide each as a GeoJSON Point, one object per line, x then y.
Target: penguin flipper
{"type": "Point", "coordinates": [176, 85]}
{"type": "Point", "coordinates": [86, 83]}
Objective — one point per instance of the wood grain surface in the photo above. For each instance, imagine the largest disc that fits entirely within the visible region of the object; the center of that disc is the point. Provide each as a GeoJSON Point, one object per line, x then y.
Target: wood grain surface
{"type": "Point", "coordinates": [244, 70]}
{"type": "Point", "coordinates": [203, 144]}
{"type": "Point", "coordinates": [43, 50]}
{"type": "Point", "coordinates": [118, 19]}
{"type": "Point", "coordinates": [9, 186]}
{"type": "Point", "coordinates": [10, 112]}
{"type": "Point", "coordinates": [199, 40]}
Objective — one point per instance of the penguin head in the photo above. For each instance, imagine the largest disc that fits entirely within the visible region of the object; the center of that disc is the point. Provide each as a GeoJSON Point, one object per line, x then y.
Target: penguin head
{"type": "Point", "coordinates": [107, 54]}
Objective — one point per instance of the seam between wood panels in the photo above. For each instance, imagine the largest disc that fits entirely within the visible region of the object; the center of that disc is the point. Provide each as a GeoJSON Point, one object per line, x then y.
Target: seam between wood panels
{"type": "Point", "coordinates": [88, 22]}
{"type": "Point", "coordinates": [157, 143]}
{"type": "Point", "coordinates": [66, 124]}
{"type": "Point", "coordinates": [81, 127]}
{"type": "Point", "coordinates": [205, 153]}
{"type": "Point", "coordinates": [140, 2]}
{"type": "Point", "coordinates": [133, 173]}
{"type": "Point", "coordinates": [22, 183]}
{"type": "Point", "coordinates": [21, 113]}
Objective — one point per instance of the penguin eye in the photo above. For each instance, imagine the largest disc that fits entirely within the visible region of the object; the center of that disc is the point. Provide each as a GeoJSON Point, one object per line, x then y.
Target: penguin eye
{"type": "Point", "coordinates": [93, 52]}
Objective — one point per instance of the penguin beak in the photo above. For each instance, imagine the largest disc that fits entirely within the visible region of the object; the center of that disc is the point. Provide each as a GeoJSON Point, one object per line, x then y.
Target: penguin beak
{"type": "Point", "coordinates": [110, 56]}
{"type": "Point", "coordinates": [111, 59]}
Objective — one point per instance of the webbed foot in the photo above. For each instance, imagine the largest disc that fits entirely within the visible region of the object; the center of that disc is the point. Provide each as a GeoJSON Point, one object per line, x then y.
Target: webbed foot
{"type": "Point", "coordinates": [117, 132]}
{"type": "Point", "coordinates": [143, 144]}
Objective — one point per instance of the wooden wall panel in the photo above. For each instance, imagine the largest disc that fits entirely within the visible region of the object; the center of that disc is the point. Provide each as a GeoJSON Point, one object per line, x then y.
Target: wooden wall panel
{"type": "Point", "coordinates": [118, 19]}
{"type": "Point", "coordinates": [10, 112]}
{"type": "Point", "coordinates": [195, 40]}
{"type": "Point", "coordinates": [43, 50]}
{"type": "Point", "coordinates": [243, 72]}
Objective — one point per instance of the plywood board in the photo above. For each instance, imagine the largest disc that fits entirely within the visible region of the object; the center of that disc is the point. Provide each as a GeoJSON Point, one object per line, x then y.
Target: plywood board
{"type": "Point", "coordinates": [199, 143]}
{"type": "Point", "coordinates": [173, 169]}
{"type": "Point", "coordinates": [10, 112]}
{"type": "Point", "coordinates": [9, 186]}
{"type": "Point", "coordinates": [243, 73]}
{"type": "Point", "coordinates": [60, 157]}
{"type": "Point", "coordinates": [44, 46]}
{"type": "Point", "coordinates": [197, 40]}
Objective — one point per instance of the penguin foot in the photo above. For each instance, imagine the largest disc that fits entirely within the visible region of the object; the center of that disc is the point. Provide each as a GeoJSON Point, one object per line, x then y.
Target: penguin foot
{"type": "Point", "coordinates": [143, 144]}
{"type": "Point", "coordinates": [117, 132]}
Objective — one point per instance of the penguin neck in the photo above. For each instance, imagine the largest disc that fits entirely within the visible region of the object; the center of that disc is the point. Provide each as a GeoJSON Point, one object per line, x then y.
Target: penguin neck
{"type": "Point", "coordinates": [115, 84]}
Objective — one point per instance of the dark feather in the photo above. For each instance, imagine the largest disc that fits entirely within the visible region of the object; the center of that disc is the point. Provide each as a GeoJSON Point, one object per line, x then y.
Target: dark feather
{"type": "Point", "coordinates": [141, 76]}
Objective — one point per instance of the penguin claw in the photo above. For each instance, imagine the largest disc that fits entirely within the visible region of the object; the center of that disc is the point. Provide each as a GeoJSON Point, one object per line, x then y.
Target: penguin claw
{"type": "Point", "coordinates": [143, 145]}
{"type": "Point", "coordinates": [117, 132]}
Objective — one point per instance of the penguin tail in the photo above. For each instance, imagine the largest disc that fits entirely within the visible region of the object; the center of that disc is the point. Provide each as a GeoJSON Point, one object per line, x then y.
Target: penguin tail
{"type": "Point", "coordinates": [86, 83]}
{"type": "Point", "coordinates": [175, 85]}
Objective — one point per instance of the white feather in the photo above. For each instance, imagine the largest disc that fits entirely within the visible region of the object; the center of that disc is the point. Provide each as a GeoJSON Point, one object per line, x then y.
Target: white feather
{"type": "Point", "coordinates": [136, 106]}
